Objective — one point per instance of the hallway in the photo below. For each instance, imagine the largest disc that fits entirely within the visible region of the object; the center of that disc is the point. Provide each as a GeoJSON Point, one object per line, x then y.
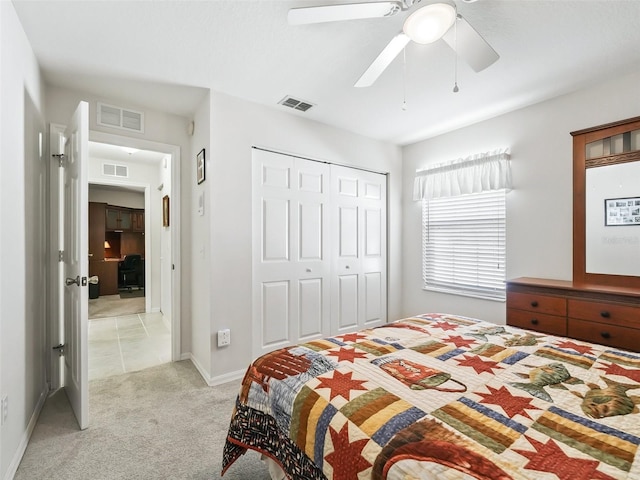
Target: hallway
{"type": "Point", "coordinates": [127, 343]}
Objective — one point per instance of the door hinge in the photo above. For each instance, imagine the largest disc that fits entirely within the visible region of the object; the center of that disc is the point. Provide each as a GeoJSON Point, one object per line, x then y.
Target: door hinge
{"type": "Point", "coordinates": [60, 348]}
{"type": "Point", "coordinates": [60, 255]}
{"type": "Point", "coordinates": [60, 157]}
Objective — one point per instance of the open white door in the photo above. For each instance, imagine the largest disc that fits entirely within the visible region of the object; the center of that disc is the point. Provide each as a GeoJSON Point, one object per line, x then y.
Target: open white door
{"type": "Point", "coordinates": [75, 262]}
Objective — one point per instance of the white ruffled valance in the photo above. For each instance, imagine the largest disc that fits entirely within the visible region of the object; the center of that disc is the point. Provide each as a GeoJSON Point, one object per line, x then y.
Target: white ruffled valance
{"type": "Point", "coordinates": [474, 174]}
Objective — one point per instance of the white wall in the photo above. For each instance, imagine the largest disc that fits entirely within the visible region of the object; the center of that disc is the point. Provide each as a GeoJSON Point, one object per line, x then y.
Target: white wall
{"type": "Point", "coordinates": [539, 209]}
{"type": "Point", "coordinates": [22, 297]}
{"type": "Point", "coordinates": [159, 127]}
{"type": "Point", "coordinates": [236, 126]}
{"type": "Point", "coordinates": [121, 198]}
{"type": "Point", "coordinates": [198, 240]}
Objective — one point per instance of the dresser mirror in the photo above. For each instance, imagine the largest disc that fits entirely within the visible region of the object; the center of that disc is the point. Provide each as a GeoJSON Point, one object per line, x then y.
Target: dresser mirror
{"type": "Point", "coordinates": [606, 228]}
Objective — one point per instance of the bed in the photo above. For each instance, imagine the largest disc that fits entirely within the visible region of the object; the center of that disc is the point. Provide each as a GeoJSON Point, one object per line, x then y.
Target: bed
{"type": "Point", "coordinates": [445, 397]}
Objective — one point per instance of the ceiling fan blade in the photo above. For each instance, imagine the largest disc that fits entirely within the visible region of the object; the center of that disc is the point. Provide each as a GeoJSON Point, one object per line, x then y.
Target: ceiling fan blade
{"type": "Point", "coordinates": [348, 11]}
{"type": "Point", "coordinates": [382, 61]}
{"type": "Point", "coordinates": [470, 45]}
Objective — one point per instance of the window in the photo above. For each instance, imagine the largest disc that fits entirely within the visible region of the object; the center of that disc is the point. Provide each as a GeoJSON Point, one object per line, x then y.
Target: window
{"type": "Point", "coordinates": [463, 244]}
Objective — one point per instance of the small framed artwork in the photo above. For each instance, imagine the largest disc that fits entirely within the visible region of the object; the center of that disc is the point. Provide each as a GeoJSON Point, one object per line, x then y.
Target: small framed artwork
{"type": "Point", "coordinates": [620, 212]}
{"type": "Point", "coordinates": [200, 167]}
{"type": "Point", "coordinates": [165, 211]}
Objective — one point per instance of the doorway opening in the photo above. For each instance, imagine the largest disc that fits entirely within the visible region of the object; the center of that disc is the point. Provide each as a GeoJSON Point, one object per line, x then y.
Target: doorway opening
{"type": "Point", "coordinates": [130, 267]}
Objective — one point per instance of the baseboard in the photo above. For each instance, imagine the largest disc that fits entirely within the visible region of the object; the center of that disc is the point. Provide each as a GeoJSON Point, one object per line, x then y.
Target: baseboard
{"type": "Point", "coordinates": [185, 356]}
{"type": "Point", "coordinates": [227, 377]}
{"type": "Point", "coordinates": [218, 379]}
{"type": "Point", "coordinates": [203, 371]}
{"type": "Point", "coordinates": [22, 446]}
{"type": "Point", "coordinates": [155, 310]}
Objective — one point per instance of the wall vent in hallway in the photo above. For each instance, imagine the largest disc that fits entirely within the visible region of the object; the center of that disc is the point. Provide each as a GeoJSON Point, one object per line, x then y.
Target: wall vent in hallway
{"type": "Point", "coordinates": [295, 103]}
{"type": "Point", "coordinates": [112, 170]}
{"type": "Point", "coordinates": [118, 117]}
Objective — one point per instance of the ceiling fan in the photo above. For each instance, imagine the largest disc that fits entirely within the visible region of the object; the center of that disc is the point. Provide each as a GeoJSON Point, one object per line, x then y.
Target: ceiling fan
{"type": "Point", "coordinates": [425, 25]}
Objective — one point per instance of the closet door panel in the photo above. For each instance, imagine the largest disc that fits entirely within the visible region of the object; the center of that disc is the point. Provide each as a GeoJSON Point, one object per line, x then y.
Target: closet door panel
{"type": "Point", "coordinates": [275, 230]}
{"type": "Point", "coordinates": [290, 270]}
{"type": "Point", "coordinates": [276, 314]}
{"type": "Point", "coordinates": [347, 302]}
{"type": "Point", "coordinates": [348, 232]}
{"type": "Point", "coordinates": [358, 204]}
{"type": "Point", "coordinates": [373, 297]}
{"type": "Point", "coordinates": [311, 306]}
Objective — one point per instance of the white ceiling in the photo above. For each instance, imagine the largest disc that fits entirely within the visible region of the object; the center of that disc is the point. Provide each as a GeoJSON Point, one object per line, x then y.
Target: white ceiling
{"type": "Point", "coordinates": [114, 153]}
{"type": "Point", "coordinates": [165, 54]}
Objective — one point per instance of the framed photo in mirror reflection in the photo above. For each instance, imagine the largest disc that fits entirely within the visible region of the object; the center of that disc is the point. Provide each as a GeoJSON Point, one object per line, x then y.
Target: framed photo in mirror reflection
{"type": "Point", "coordinates": [620, 212]}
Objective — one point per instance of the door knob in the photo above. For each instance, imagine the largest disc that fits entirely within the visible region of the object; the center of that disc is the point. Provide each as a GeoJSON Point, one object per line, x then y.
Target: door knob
{"type": "Point", "coordinates": [70, 281]}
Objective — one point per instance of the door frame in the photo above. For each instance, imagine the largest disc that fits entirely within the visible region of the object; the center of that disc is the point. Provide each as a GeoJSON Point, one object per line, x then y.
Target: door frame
{"type": "Point", "coordinates": [55, 323]}
{"type": "Point", "coordinates": [174, 151]}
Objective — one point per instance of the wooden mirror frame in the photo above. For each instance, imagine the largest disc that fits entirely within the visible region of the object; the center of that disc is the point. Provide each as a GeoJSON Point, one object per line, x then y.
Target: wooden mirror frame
{"type": "Point", "coordinates": [580, 164]}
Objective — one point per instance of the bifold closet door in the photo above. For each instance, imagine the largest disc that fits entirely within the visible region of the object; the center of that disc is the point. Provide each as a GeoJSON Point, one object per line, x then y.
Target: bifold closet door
{"type": "Point", "coordinates": [359, 249]}
{"type": "Point", "coordinates": [291, 267]}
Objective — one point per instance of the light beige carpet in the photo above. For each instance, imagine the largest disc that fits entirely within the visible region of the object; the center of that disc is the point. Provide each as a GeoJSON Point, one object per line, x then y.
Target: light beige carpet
{"type": "Point", "coordinates": [159, 423]}
{"type": "Point", "coordinates": [114, 306]}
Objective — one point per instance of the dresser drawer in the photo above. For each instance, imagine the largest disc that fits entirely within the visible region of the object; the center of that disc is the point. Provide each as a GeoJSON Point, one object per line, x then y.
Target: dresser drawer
{"type": "Point", "coordinates": [540, 322]}
{"type": "Point", "coordinates": [537, 303]}
{"type": "Point", "coordinates": [609, 313]}
{"type": "Point", "coordinates": [611, 335]}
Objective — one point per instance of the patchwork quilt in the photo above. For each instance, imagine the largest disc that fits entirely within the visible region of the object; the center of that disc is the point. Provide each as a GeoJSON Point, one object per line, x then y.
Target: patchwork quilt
{"type": "Point", "coordinates": [445, 397]}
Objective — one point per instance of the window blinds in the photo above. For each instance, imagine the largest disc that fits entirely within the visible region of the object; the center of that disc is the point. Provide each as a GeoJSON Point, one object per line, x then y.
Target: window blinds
{"type": "Point", "coordinates": [463, 239]}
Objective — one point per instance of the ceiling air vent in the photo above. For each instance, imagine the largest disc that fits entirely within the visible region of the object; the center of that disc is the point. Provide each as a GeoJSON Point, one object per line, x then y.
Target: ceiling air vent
{"type": "Point", "coordinates": [295, 104]}
{"type": "Point", "coordinates": [118, 117]}
{"type": "Point", "coordinates": [112, 170]}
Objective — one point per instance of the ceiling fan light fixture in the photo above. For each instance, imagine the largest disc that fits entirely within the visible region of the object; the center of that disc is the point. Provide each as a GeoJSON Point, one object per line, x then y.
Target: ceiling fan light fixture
{"type": "Point", "coordinates": [429, 23]}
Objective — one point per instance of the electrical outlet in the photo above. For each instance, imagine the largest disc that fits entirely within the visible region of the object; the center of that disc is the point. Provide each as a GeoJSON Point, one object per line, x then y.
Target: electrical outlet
{"type": "Point", "coordinates": [4, 404]}
{"type": "Point", "coordinates": [224, 337]}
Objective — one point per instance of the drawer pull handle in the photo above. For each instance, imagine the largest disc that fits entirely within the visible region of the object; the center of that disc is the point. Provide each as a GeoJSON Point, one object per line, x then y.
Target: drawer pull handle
{"type": "Point", "coordinates": [605, 314]}
{"type": "Point", "coordinates": [534, 303]}
{"type": "Point", "coordinates": [534, 321]}
{"type": "Point", "coordinates": [605, 335]}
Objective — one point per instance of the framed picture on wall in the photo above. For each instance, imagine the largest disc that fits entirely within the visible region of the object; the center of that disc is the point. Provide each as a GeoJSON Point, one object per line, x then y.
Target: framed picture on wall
{"type": "Point", "coordinates": [200, 167]}
{"type": "Point", "coordinates": [165, 211]}
{"type": "Point", "coordinates": [621, 211]}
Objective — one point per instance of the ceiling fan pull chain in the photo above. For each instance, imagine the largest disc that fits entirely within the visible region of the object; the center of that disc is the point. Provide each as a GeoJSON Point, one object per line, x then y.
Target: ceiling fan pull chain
{"type": "Point", "coordinates": [455, 51]}
{"type": "Point", "coordinates": [404, 78]}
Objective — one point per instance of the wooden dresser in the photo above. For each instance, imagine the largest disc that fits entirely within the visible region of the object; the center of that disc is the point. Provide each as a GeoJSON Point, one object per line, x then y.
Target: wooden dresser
{"type": "Point", "coordinates": [598, 314]}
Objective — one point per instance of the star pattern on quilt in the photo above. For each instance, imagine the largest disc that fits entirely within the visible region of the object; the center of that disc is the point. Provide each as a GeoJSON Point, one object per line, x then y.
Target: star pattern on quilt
{"type": "Point", "coordinates": [615, 369]}
{"type": "Point", "coordinates": [459, 341]}
{"type": "Point", "coordinates": [583, 349]}
{"type": "Point", "coordinates": [347, 354]}
{"type": "Point", "coordinates": [510, 403]}
{"type": "Point", "coordinates": [445, 326]}
{"type": "Point", "coordinates": [346, 459]}
{"type": "Point", "coordinates": [549, 457]}
{"type": "Point", "coordinates": [351, 337]}
{"type": "Point", "coordinates": [340, 384]}
{"type": "Point", "coordinates": [478, 364]}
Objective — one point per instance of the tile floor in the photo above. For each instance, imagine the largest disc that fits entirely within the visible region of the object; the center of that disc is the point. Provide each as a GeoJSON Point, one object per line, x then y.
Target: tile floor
{"type": "Point", "coordinates": [127, 343]}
